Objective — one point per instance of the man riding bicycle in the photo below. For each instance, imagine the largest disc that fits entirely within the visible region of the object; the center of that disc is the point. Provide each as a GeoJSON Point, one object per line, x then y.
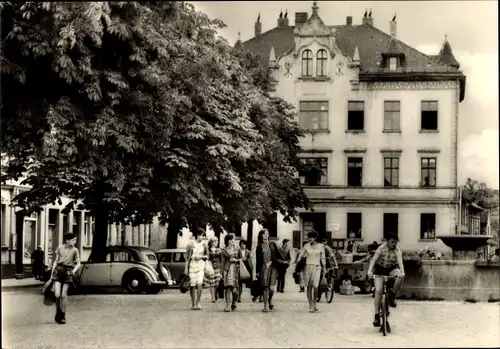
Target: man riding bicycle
{"type": "Point", "coordinates": [387, 261]}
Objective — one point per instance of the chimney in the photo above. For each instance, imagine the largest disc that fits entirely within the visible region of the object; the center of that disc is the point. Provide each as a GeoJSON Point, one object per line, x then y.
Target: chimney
{"type": "Point", "coordinates": [283, 20]}
{"type": "Point", "coordinates": [349, 21]}
{"type": "Point", "coordinates": [367, 18]}
{"type": "Point", "coordinates": [258, 27]}
{"type": "Point", "coordinates": [300, 19]}
{"type": "Point", "coordinates": [393, 26]}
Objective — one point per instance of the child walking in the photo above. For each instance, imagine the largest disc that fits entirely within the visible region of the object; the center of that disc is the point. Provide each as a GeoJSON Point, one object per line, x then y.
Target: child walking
{"type": "Point", "coordinates": [66, 264]}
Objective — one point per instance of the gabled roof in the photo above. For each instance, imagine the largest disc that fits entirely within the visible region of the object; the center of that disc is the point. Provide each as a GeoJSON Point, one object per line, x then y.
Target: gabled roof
{"type": "Point", "coordinates": [446, 55]}
{"type": "Point", "coordinates": [371, 43]}
{"type": "Point", "coordinates": [393, 49]}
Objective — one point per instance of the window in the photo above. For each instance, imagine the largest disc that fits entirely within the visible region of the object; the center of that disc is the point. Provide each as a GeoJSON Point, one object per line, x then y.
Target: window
{"type": "Point", "coordinates": [76, 222]}
{"type": "Point", "coordinates": [354, 225]}
{"type": "Point", "coordinates": [122, 256]}
{"type": "Point", "coordinates": [391, 172]}
{"type": "Point", "coordinates": [390, 224]}
{"type": "Point", "coordinates": [307, 63]}
{"type": "Point", "coordinates": [391, 115]}
{"type": "Point", "coordinates": [429, 115]}
{"type": "Point", "coordinates": [89, 230]}
{"type": "Point", "coordinates": [393, 63]}
{"type": "Point", "coordinates": [313, 171]}
{"type": "Point", "coordinates": [428, 226]}
{"type": "Point", "coordinates": [180, 257]}
{"type": "Point", "coordinates": [354, 172]}
{"type": "Point", "coordinates": [356, 116]}
{"type": "Point", "coordinates": [321, 63]}
{"type": "Point", "coordinates": [428, 172]}
{"type": "Point", "coordinates": [313, 115]}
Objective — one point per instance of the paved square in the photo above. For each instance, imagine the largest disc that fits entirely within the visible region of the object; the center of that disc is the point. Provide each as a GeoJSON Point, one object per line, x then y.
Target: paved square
{"type": "Point", "coordinates": [165, 321]}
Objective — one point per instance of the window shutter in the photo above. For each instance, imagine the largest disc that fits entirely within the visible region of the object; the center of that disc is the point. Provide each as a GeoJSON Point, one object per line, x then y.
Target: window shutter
{"type": "Point", "coordinates": [328, 236]}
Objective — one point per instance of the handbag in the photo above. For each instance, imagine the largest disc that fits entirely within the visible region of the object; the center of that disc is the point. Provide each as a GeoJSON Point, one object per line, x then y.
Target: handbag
{"type": "Point", "coordinates": [209, 271]}
{"type": "Point", "coordinates": [256, 289]}
{"type": "Point", "coordinates": [323, 285]}
{"type": "Point", "coordinates": [300, 265]}
{"type": "Point", "coordinates": [49, 296]}
{"type": "Point", "coordinates": [186, 280]}
{"type": "Point", "coordinates": [220, 289]}
{"type": "Point", "coordinates": [244, 273]}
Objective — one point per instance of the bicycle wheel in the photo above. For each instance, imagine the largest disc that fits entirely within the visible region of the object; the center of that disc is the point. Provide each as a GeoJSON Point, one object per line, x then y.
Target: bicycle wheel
{"type": "Point", "coordinates": [330, 292]}
{"type": "Point", "coordinates": [383, 308]}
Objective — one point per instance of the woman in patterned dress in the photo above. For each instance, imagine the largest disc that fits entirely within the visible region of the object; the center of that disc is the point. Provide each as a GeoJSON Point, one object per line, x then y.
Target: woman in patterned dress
{"type": "Point", "coordinates": [214, 256]}
{"type": "Point", "coordinates": [230, 262]}
{"type": "Point", "coordinates": [266, 267]}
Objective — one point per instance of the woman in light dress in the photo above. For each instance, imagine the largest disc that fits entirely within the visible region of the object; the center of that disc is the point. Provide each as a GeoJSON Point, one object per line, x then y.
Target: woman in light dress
{"type": "Point", "coordinates": [230, 262]}
{"type": "Point", "coordinates": [314, 253]}
{"type": "Point", "coordinates": [214, 257]}
{"type": "Point", "coordinates": [197, 254]}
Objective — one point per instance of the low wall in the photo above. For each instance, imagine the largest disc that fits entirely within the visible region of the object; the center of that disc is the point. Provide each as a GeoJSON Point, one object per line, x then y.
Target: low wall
{"type": "Point", "coordinates": [452, 280]}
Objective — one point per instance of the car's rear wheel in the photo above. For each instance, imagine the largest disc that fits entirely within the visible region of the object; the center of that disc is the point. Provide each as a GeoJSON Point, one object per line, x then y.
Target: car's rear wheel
{"type": "Point", "coordinates": [135, 282]}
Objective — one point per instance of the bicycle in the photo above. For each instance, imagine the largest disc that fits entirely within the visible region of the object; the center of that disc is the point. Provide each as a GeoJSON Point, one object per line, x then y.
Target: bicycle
{"type": "Point", "coordinates": [330, 289]}
{"type": "Point", "coordinates": [384, 307]}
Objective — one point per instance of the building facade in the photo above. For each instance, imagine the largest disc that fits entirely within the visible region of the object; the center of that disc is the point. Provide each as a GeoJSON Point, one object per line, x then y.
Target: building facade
{"type": "Point", "coordinates": [380, 151]}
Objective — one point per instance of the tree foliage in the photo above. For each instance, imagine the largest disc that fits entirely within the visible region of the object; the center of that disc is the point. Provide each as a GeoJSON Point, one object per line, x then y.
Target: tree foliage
{"type": "Point", "coordinates": [480, 194]}
{"type": "Point", "coordinates": [135, 109]}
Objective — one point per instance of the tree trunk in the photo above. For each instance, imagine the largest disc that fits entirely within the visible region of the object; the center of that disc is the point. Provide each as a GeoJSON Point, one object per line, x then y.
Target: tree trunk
{"type": "Point", "coordinates": [217, 228]}
{"type": "Point", "coordinates": [100, 239]}
{"type": "Point", "coordinates": [19, 244]}
{"type": "Point", "coordinates": [249, 233]}
{"type": "Point", "coordinates": [173, 229]}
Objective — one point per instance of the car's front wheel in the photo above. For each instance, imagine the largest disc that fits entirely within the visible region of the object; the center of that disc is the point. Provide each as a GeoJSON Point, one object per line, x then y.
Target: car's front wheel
{"type": "Point", "coordinates": [135, 282]}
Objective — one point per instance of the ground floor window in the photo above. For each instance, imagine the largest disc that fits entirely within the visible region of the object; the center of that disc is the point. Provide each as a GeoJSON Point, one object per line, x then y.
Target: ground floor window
{"type": "Point", "coordinates": [428, 226]}
{"type": "Point", "coordinates": [313, 221]}
{"type": "Point", "coordinates": [390, 224]}
{"type": "Point", "coordinates": [354, 225]}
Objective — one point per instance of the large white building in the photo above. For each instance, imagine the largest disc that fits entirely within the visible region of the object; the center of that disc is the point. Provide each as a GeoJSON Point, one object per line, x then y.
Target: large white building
{"type": "Point", "coordinates": [380, 150]}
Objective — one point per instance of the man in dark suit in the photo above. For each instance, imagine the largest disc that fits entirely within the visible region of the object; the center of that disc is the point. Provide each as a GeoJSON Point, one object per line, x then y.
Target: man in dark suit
{"type": "Point", "coordinates": [283, 264]}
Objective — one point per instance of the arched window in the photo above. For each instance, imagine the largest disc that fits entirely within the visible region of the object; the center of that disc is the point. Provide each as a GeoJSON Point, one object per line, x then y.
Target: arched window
{"type": "Point", "coordinates": [307, 63]}
{"type": "Point", "coordinates": [321, 60]}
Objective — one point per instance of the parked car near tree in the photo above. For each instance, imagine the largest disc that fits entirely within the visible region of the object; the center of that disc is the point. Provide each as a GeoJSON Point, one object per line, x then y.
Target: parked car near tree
{"type": "Point", "coordinates": [135, 268]}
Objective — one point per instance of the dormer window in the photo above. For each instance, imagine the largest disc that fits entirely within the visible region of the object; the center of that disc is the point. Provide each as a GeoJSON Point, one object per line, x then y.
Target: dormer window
{"type": "Point", "coordinates": [393, 63]}
{"type": "Point", "coordinates": [321, 63]}
{"type": "Point", "coordinates": [307, 63]}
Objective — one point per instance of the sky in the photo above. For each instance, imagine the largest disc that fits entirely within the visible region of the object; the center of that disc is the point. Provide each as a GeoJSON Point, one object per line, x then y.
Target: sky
{"type": "Point", "coordinates": [471, 28]}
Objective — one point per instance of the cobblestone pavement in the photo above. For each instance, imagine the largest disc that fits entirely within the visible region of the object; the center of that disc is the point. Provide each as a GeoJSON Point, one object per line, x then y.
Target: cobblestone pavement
{"type": "Point", "coordinates": [165, 321]}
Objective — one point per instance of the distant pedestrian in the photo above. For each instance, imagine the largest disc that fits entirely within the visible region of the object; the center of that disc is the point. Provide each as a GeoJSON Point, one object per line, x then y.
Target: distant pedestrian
{"type": "Point", "coordinates": [314, 253]}
{"type": "Point", "coordinates": [197, 255]}
{"type": "Point", "coordinates": [66, 264]}
{"type": "Point", "coordinates": [214, 257]}
{"type": "Point", "coordinates": [247, 261]}
{"type": "Point", "coordinates": [38, 263]}
{"type": "Point", "coordinates": [266, 267]}
{"type": "Point", "coordinates": [284, 259]}
{"type": "Point", "coordinates": [230, 261]}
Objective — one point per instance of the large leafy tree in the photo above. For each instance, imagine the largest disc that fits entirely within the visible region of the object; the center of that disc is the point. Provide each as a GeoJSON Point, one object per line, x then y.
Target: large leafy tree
{"type": "Point", "coordinates": [131, 109]}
